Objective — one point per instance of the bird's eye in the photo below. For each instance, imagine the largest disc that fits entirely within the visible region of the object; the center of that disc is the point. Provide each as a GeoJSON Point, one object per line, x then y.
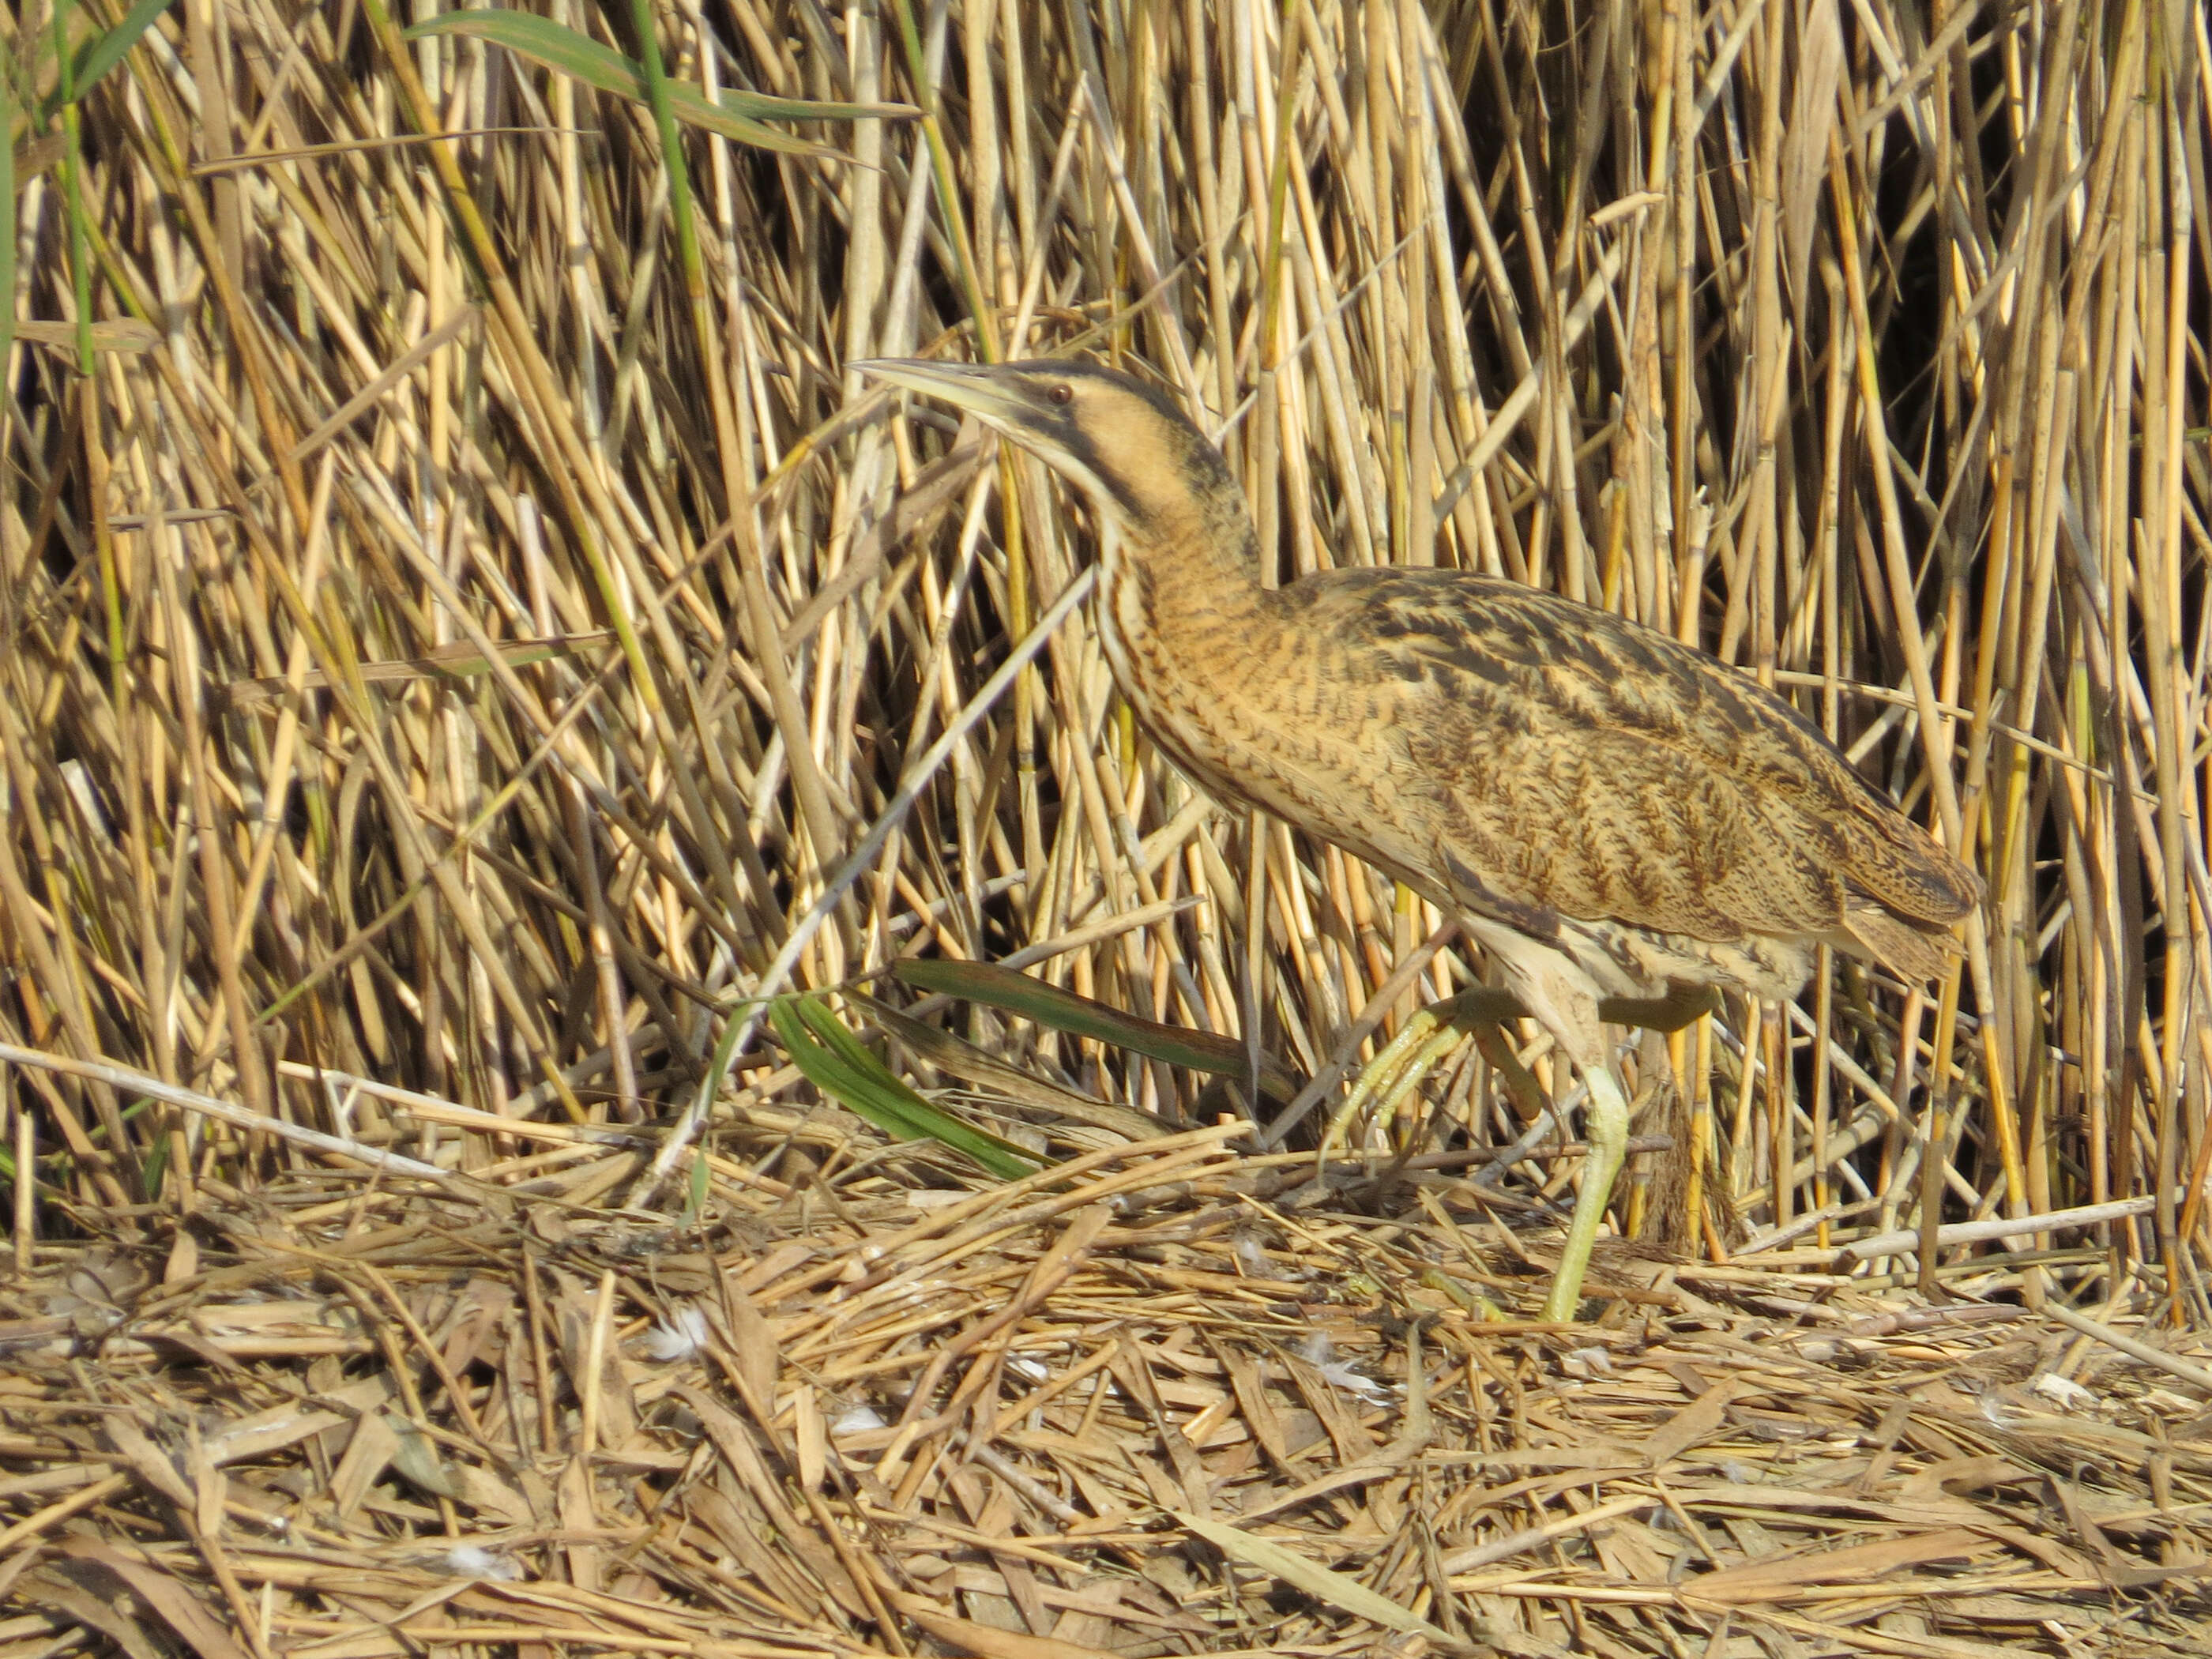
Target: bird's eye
{"type": "Point", "coordinates": [1062, 393]}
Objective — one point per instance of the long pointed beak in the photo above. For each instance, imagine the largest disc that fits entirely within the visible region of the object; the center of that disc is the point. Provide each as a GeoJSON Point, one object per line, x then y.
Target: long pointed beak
{"type": "Point", "coordinates": [974, 388]}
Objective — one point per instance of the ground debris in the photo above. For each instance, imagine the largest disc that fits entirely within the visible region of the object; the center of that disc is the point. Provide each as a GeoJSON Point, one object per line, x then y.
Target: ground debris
{"type": "Point", "coordinates": [1035, 1419]}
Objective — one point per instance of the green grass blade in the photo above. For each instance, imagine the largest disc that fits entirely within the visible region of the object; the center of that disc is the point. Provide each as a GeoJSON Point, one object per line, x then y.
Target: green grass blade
{"type": "Point", "coordinates": [835, 1061]}
{"type": "Point", "coordinates": [694, 1204]}
{"type": "Point", "coordinates": [660, 98]}
{"type": "Point", "coordinates": [736, 115]}
{"type": "Point", "coordinates": [6, 231]}
{"type": "Point", "coordinates": [989, 1150]}
{"type": "Point", "coordinates": [104, 50]}
{"type": "Point", "coordinates": [766, 106]}
{"type": "Point", "coordinates": [1063, 1011]}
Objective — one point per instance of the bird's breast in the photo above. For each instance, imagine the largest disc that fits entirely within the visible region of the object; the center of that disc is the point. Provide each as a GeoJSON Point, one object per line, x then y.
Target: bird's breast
{"type": "Point", "coordinates": [1250, 712]}
{"type": "Point", "coordinates": [1185, 662]}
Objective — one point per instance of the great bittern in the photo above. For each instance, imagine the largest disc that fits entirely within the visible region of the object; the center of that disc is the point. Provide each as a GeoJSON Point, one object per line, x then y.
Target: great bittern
{"type": "Point", "coordinates": [1610, 813]}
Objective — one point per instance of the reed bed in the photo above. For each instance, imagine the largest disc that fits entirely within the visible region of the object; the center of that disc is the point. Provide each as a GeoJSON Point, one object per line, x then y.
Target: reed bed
{"type": "Point", "coordinates": [470, 644]}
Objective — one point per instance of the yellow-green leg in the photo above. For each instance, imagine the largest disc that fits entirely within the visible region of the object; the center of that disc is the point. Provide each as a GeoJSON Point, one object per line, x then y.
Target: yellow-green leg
{"type": "Point", "coordinates": [1606, 1129]}
{"type": "Point", "coordinates": [1393, 1074]}
{"type": "Point", "coordinates": [1432, 1035]}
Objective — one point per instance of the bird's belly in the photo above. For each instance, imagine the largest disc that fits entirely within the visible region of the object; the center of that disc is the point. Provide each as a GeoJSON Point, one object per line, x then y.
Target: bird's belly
{"type": "Point", "coordinates": [1641, 961]}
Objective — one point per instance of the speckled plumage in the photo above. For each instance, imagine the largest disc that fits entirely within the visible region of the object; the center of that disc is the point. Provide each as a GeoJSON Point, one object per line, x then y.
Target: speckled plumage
{"type": "Point", "coordinates": [1532, 763]}
{"type": "Point", "coordinates": [1611, 812]}
{"type": "Point", "coordinates": [1550, 767]}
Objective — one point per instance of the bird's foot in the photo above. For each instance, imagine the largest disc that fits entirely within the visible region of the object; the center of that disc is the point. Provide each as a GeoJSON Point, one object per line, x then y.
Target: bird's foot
{"type": "Point", "coordinates": [1391, 1076]}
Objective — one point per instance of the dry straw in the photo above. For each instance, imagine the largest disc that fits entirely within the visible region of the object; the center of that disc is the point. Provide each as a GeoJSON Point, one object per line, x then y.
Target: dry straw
{"type": "Point", "coordinates": [466, 639]}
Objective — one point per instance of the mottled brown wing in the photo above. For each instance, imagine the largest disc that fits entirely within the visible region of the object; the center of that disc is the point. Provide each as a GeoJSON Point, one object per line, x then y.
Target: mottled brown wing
{"type": "Point", "coordinates": [1576, 761]}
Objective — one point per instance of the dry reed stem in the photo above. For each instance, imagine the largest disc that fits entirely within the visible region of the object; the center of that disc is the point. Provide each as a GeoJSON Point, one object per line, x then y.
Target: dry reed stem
{"type": "Point", "coordinates": [454, 637]}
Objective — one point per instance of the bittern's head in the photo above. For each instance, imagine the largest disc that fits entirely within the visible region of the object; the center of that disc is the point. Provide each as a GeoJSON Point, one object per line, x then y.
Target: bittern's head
{"type": "Point", "coordinates": [1150, 475]}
